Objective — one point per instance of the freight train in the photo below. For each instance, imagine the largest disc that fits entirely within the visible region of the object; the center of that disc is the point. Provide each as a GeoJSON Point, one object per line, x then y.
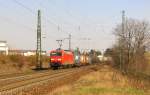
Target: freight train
{"type": "Point", "coordinates": [66, 58]}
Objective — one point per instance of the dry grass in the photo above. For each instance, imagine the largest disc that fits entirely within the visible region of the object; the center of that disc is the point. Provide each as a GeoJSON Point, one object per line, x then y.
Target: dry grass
{"type": "Point", "coordinates": [103, 82]}
{"type": "Point", "coordinates": [147, 69]}
{"type": "Point", "coordinates": [18, 63]}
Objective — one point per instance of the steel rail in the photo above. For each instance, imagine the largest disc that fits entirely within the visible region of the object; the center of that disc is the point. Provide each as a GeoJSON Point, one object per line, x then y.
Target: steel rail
{"type": "Point", "coordinates": [22, 85]}
{"type": "Point", "coordinates": [12, 80]}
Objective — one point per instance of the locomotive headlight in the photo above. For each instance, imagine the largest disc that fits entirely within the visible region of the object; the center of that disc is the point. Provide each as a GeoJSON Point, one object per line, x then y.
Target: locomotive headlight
{"type": "Point", "coordinates": [82, 58]}
{"type": "Point", "coordinates": [59, 59]}
{"type": "Point", "coordinates": [77, 57]}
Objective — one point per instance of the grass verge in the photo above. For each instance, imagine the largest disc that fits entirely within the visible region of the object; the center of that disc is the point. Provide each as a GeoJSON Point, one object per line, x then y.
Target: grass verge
{"type": "Point", "coordinates": [102, 82]}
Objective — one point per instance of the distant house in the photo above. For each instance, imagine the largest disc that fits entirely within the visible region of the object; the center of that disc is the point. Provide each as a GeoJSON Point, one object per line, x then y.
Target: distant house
{"type": "Point", "coordinates": [3, 47]}
{"type": "Point", "coordinates": [25, 52]}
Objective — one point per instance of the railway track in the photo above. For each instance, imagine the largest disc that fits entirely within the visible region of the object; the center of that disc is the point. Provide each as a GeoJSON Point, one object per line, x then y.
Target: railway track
{"type": "Point", "coordinates": [20, 78]}
{"type": "Point", "coordinates": [19, 83]}
{"type": "Point", "coordinates": [4, 75]}
{"type": "Point", "coordinates": [16, 85]}
{"type": "Point", "coordinates": [9, 75]}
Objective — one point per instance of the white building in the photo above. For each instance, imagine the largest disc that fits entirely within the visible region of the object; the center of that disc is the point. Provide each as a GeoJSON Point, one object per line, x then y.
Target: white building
{"type": "Point", "coordinates": [3, 47]}
{"type": "Point", "coordinates": [25, 52]}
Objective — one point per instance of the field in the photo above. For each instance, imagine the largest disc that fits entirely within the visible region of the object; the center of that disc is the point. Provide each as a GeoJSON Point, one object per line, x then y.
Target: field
{"type": "Point", "coordinates": [106, 81]}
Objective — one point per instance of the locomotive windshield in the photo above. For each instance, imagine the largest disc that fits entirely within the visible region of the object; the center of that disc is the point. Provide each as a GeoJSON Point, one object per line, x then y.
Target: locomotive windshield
{"type": "Point", "coordinates": [55, 54]}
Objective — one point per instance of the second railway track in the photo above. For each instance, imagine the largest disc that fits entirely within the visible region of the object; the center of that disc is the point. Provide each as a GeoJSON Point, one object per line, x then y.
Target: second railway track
{"type": "Point", "coordinates": [21, 78]}
{"type": "Point", "coordinates": [19, 84]}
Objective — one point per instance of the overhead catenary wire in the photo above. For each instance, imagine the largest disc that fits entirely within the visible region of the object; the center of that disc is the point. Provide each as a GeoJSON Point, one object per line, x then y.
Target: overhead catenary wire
{"type": "Point", "coordinates": [41, 4]}
{"type": "Point", "coordinates": [14, 23]}
{"type": "Point", "coordinates": [45, 19]}
{"type": "Point", "coordinates": [33, 13]}
{"type": "Point", "coordinates": [67, 12]}
{"type": "Point", "coordinates": [27, 8]}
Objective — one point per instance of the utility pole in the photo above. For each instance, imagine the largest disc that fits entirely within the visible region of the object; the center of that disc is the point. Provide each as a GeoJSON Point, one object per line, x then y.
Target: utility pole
{"type": "Point", "coordinates": [69, 41]}
{"type": "Point", "coordinates": [122, 42]}
{"type": "Point", "coordinates": [39, 47]}
{"type": "Point", "coordinates": [129, 47]}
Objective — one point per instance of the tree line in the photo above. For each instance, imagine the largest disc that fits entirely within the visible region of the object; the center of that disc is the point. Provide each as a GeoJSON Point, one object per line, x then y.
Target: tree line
{"type": "Point", "coordinates": [132, 41]}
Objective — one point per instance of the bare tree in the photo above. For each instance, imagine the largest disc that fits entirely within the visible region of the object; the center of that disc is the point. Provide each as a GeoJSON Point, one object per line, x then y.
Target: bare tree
{"type": "Point", "coordinates": [132, 43]}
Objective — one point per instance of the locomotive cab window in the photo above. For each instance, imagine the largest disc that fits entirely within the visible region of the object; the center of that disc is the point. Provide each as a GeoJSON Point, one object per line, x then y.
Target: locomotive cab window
{"type": "Point", "coordinates": [56, 54]}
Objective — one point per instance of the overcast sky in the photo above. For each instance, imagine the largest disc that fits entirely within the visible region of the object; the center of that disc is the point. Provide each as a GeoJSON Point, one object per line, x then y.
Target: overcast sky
{"type": "Point", "coordinates": [83, 19]}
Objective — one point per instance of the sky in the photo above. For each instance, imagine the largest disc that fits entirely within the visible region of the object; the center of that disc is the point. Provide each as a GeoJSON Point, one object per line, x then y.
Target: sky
{"type": "Point", "coordinates": [90, 22]}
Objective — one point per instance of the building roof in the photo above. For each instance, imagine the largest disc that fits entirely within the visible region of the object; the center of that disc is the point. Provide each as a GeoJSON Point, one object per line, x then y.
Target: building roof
{"type": "Point", "coordinates": [3, 41]}
{"type": "Point", "coordinates": [23, 51]}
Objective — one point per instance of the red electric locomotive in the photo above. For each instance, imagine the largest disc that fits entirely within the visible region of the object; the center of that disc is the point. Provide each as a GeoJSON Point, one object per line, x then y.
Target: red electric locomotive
{"type": "Point", "coordinates": [60, 58]}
